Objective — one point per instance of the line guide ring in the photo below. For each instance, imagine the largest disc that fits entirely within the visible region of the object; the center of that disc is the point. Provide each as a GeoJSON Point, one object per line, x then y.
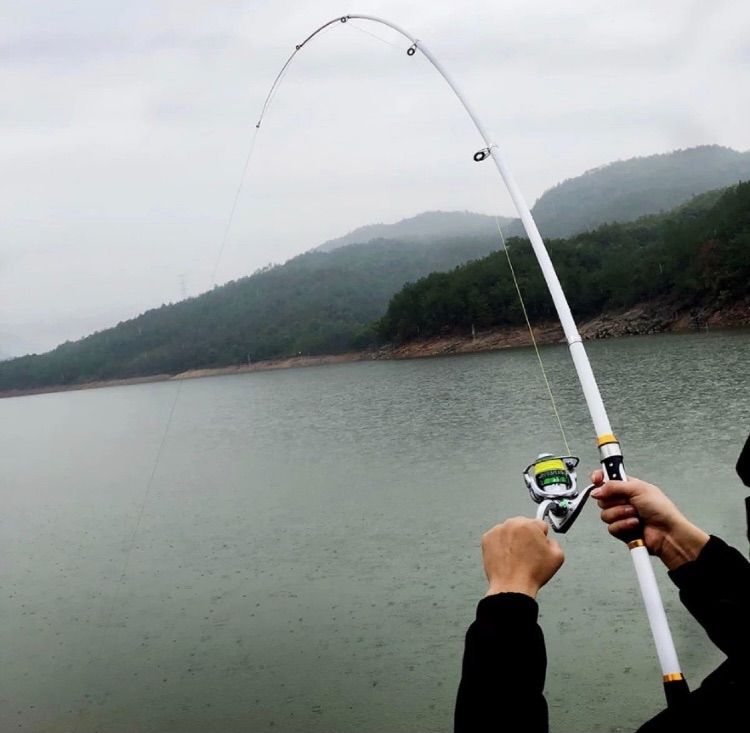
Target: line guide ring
{"type": "Point", "coordinates": [483, 154]}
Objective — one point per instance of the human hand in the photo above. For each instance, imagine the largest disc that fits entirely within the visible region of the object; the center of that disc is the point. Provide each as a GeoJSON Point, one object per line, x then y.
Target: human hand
{"type": "Point", "coordinates": [519, 557]}
{"type": "Point", "coordinates": [666, 531]}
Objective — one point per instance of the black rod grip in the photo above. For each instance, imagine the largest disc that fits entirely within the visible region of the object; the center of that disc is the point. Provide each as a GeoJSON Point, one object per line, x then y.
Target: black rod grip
{"type": "Point", "coordinates": [613, 467]}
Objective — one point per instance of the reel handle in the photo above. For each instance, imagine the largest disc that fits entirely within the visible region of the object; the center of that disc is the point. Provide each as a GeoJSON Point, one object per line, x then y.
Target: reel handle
{"type": "Point", "coordinates": [560, 516]}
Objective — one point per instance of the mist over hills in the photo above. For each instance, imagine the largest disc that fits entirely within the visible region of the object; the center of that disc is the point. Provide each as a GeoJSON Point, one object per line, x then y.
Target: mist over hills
{"type": "Point", "coordinates": [620, 191]}
{"type": "Point", "coordinates": [329, 299]}
{"type": "Point", "coordinates": [626, 190]}
{"type": "Point", "coordinates": [428, 225]}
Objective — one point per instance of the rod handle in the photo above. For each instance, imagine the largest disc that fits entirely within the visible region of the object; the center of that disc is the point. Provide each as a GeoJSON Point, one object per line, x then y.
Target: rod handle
{"type": "Point", "coordinates": [614, 470]}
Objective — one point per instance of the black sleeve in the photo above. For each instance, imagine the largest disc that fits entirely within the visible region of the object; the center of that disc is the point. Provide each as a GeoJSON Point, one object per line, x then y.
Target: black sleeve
{"type": "Point", "coordinates": [715, 588]}
{"type": "Point", "coordinates": [503, 671]}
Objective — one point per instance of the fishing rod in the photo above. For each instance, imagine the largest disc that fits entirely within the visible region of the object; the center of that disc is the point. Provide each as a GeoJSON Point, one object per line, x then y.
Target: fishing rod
{"type": "Point", "coordinates": [559, 508]}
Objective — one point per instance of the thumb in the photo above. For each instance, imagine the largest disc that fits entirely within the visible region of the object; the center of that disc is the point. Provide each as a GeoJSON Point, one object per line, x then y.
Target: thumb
{"type": "Point", "coordinates": [597, 477]}
{"type": "Point", "coordinates": [556, 547]}
{"type": "Point", "coordinates": [542, 525]}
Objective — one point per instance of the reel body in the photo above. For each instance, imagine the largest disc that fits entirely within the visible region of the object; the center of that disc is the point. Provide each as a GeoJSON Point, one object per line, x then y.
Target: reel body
{"type": "Point", "coordinates": [553, 484]}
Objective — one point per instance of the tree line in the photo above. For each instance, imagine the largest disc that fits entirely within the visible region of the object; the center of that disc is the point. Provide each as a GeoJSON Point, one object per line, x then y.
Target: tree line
{"type": "Point", "coordinates": [697, 255]}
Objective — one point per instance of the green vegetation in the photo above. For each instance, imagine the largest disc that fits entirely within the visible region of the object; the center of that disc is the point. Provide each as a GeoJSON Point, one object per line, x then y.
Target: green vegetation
{"type": "Point", "coordinates": [697, 255]}
{"type": "Point", "coordinates": [315, 303]}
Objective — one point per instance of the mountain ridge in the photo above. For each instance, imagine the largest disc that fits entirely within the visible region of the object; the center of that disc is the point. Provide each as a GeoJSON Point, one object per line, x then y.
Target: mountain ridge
{"type": "Point", "coordinates": [425, 225]}
{"type": "Point", "coordinates": [625, 190]}
{"type": "Point", "coordinates": [620, 190]}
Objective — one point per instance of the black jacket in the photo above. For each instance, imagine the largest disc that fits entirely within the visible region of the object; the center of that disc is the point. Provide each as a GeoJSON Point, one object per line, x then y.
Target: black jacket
{"type": "Point", "coordinates": [505, 661]}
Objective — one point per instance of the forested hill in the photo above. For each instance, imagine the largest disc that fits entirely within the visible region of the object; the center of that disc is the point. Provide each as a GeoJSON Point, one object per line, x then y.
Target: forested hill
{"type": "Point", "coordinates": [327, 302]}
{"type": "Point", "coordinates": [696, 256]}
{"type": "Point", "coordinates": [315, 303]}
{"type": "Point", "coordinates": [626, 190]}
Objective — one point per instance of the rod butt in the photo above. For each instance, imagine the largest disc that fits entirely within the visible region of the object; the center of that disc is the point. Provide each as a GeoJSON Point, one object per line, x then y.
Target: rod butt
{"type": "Point", "coordinates": [675, 689]}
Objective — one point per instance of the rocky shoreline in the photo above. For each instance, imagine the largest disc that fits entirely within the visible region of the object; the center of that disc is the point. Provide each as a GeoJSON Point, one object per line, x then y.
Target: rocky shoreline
{"type": "Point", "coordinates": [644, 319]}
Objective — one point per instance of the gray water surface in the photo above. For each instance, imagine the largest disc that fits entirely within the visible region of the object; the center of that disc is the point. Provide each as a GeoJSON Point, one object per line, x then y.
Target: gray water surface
{"type": "Point", "coordinates": [306, 557]}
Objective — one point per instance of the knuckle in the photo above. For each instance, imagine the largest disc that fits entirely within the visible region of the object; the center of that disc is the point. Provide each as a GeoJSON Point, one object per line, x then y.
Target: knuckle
{"type": "Point", "coordinates": [492, 532]}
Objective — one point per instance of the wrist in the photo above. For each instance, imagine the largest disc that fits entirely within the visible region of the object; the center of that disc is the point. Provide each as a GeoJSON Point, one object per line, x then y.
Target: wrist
{"type": "Point", "coordinates": [683, 544]}
{"type": "Point", "coordinates": [526, 587]}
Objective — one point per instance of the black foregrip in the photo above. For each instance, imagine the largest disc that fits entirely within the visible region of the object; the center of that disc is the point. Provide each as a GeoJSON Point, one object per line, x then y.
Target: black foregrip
{"type": "Point", "coordinates": [613, 466]}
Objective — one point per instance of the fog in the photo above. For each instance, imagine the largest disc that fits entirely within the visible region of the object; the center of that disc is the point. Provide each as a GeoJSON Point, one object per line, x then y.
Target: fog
{"type": "Point", "coordinates": [125, 128]}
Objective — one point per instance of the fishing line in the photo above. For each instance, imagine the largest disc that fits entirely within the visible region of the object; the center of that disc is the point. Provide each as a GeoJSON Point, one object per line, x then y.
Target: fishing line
{"type": "Point", "coordinates": [233, 210]}
{"type": "Point", "coordinates": [224, 239]}
{"type": "Point", "coordinates": [325, 28]}
{"type": "Point", "coordinates": [130, 545]}
{"type": "Point", "coordinates": [275, 86]}
{"type": "Point", "coordinates": [533, 338]}
{"type": "Point", "coordinates": [131, 542]}
{"type": "Point", "coordinates": [609, 449]}
{"type": "Point", "coordinates": [374, 35]}
{"type": "Point", "coordinates": [222, 246]}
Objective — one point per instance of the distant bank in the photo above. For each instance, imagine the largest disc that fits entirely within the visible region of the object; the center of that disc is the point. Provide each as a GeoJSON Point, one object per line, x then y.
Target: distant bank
{"type": "Point", "coordinates": [641, 320]}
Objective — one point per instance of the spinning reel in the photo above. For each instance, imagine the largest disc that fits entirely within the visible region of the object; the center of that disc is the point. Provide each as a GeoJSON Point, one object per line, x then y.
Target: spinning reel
{"type": "Point", "coordinates": [552, 483]}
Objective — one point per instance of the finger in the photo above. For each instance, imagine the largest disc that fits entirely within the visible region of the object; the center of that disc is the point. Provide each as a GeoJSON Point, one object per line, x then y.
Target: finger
{"type": "Point", "coordinates": [607, 503]}
{"type": "Point", "coordinates": [597, 477]}
{"type": "Point", "coordinates": [617, 513]}
{"type": "Point", "coordinates": [615, 489]}
{"type": "Point", "coordinates": [623, 526]}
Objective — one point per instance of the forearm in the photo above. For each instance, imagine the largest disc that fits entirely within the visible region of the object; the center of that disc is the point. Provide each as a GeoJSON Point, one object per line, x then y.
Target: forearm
{"type": "Point", "coordinates": [715, 588]}
{"type": "Point", "coordinates": [504, 665]}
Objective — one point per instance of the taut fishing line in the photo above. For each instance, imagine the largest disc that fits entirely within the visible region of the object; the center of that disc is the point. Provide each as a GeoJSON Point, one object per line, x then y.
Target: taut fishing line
{"type": "Point", "coordinates": [373, 35]}
{"type": "Point", "coordinates": [130, 545]}
{"type": "Point", "coordinates": [553, 403]}
{"type": "Point", "coordinates": [131, 542]}
{"type": "Point", "coordinates": [540, 471]}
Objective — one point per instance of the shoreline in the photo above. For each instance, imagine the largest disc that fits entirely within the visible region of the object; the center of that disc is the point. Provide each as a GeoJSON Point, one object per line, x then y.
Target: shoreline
{"type": "Point", "coordinates": [642, 320]}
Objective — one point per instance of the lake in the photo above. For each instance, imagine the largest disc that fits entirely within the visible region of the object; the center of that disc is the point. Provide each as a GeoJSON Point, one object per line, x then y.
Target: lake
{"type": "Point", "coordinates": [299, 551]}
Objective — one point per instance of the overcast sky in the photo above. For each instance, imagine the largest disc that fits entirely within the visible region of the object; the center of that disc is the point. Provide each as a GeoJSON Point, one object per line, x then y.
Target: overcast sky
{"type": "Point", "coordinates": [125, 127]}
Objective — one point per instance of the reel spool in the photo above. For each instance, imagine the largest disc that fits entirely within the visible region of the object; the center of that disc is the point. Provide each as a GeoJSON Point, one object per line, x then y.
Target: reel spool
{"type": "Point", "coordinates": [553, 484]}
